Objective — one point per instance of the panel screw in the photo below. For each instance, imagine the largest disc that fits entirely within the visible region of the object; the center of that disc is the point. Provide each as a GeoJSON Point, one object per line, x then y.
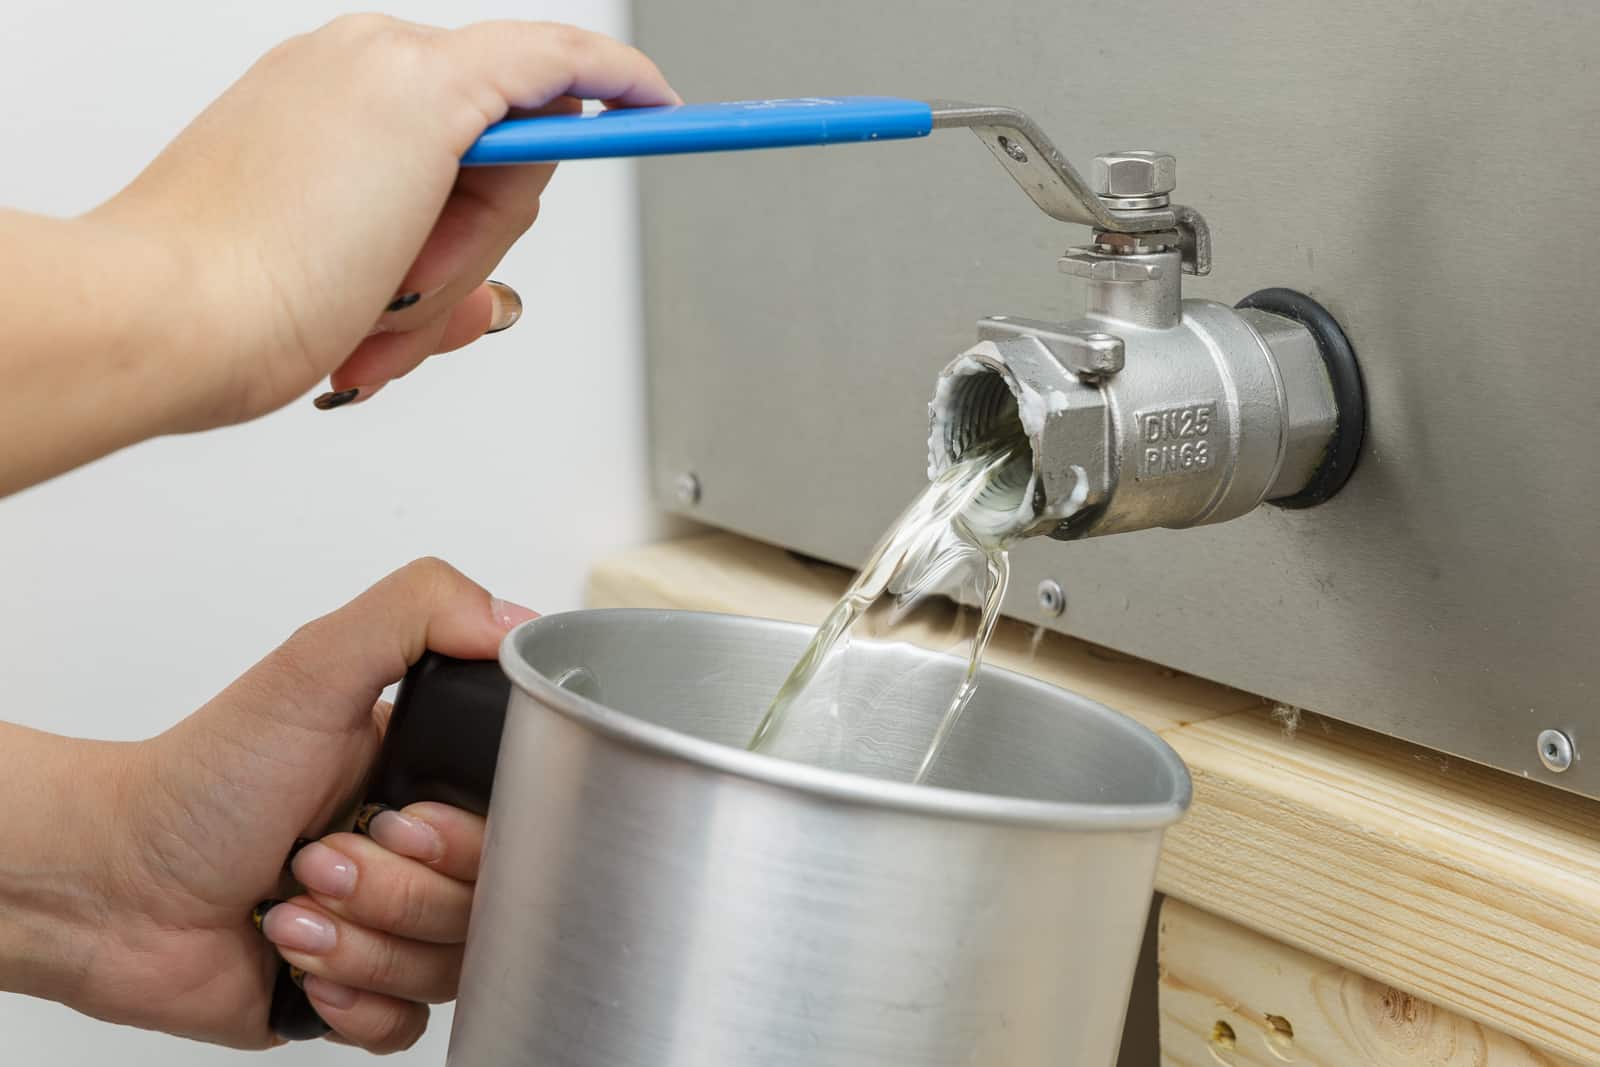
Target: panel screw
{"type": "Point", "coordinates": [1555, 750]}
{"type": "Point", "coordinates": [688, 489]}
{"type": "Point", "coordinates": [1052, 598]}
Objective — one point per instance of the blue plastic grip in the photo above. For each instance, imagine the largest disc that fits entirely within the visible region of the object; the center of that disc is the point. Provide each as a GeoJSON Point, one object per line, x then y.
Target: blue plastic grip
{"type": "Point", "coordinates": [656, 131]}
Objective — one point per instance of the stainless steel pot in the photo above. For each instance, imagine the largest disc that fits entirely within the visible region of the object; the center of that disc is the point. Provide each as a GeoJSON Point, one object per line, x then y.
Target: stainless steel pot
{"type": "Point", "coordinates": [652, 894]}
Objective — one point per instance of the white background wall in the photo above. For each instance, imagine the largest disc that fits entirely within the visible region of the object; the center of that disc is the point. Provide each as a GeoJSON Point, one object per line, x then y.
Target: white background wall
{"type": "Point", "coordinates": [132, 590]}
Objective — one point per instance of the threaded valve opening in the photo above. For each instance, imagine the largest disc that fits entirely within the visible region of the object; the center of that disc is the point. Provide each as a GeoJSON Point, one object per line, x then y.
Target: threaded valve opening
{"type": "Point", "coordinates": [974, 412]}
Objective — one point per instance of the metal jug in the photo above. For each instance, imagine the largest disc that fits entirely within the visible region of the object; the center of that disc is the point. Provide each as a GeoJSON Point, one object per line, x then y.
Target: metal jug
{"type": "Point", "coordinates": [653, 894]}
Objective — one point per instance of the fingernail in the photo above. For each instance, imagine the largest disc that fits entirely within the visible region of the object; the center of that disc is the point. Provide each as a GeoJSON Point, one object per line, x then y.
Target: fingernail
{"type": "Point", "coordinates": [406, 836]}
{"type": "Point", "coordinates": [325, 870]}
{"type": "Point", "coordinates": [366, 814]}
{"type": "Point", "coordinates": [294, 850]}
{"type": "Point", "coordinates": [293, 927]}
{"type": "Point", "coordinates": [403, 301]}
{"type": "Point", "coordinates": [509, 614]}
{"type": "Point", "coordinates": [507, 307]}
{"type": "Point", "coordinates": [329, 401]}
{"type": "Point", "coordinates": [258, 914]}
{"type": "Point", "coordinates": [332, 994]}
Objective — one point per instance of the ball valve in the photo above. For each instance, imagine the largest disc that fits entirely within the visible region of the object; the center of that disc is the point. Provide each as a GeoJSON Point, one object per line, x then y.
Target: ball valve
{"type": "Point", "coordinates": [1148, 409]}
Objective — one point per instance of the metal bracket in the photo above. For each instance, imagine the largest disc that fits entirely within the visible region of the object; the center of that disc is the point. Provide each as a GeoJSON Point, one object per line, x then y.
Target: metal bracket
{"type": "Point", "coordinates": [1194, 240]}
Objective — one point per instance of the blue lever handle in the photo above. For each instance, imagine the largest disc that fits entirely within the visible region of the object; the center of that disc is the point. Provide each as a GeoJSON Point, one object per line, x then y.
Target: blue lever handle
{"type": "Point", "coordinates": [657, 131]}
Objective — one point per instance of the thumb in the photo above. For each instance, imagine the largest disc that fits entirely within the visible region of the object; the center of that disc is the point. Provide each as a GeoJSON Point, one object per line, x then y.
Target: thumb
{"type": "Point", "coordinates": [270, 758]}
{"type": "Point", "coordinates": [354, 652]}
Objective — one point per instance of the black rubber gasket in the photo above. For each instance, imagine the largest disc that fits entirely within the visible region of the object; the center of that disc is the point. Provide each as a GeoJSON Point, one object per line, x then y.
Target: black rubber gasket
{"type": "Point", "coordinates": [1349, 395]}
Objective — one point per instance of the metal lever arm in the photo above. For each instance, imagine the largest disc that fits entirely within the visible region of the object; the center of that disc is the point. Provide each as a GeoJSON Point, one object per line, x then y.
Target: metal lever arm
{"type": "Point", "coordinates": [1042, 171]}
{"type": "Point", "coordinates": [1015, 139]}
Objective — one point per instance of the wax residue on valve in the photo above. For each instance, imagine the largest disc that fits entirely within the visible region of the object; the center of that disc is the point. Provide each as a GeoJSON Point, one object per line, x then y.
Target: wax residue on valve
{"type": "Point", "coordinates": [933, 546]}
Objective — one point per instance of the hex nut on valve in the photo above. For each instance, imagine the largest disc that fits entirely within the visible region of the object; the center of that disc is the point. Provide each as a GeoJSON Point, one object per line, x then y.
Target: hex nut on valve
{"type": "Point", "coordinates": [1134, 173]}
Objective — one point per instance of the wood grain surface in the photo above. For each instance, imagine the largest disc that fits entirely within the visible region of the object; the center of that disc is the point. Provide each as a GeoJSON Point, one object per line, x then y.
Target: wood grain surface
{"type": "Point", "coordinates": [1234, 997]}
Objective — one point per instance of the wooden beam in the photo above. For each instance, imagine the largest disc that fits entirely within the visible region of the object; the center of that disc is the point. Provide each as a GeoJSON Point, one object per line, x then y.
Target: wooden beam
{"type": "Point", "coordinates": [1233, 997]}
{"type": "Point", "coordinates": [1462, 885]}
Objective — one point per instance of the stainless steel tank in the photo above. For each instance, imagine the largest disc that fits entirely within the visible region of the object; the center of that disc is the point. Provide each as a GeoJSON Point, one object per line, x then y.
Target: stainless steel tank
{"type": "Point", "coordinates": [1424, 173]}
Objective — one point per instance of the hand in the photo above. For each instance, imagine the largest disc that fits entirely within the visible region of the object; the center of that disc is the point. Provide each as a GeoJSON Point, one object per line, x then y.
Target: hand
{"type": "Point", "coordinates": [325, 187]}
{"type": "Point", "coordinates": [193, 828]}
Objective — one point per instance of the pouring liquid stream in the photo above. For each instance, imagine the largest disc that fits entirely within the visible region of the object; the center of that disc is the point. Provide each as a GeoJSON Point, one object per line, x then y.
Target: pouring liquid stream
{"type": "Point", "coordinates": [933, 545]}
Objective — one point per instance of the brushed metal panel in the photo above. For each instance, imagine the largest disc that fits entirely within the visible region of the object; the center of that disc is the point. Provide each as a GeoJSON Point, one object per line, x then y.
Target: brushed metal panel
{"type": "Point", "coordinates": [1426, 170]}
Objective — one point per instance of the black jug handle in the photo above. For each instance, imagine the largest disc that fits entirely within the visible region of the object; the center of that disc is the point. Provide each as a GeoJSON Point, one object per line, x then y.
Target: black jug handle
{"type": "Point", "coordinates": [441, 745]}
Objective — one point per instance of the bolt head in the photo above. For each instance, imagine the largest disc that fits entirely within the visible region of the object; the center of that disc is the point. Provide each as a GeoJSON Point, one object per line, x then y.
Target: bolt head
{"type": "Point", "coordinates": [1134, 173]}
{"type": "Point", "coordinates": [688, 489]}
{"type": "Point", "coordinates": [1555, 750]}
{"type": "Point", "coordinates": [1052, 598]}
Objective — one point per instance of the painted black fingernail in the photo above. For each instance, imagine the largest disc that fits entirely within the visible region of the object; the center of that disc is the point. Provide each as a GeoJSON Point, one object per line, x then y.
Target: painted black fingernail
{"type": "Point", "coordinates": [507, 307]}
{"type": "Point", "coordinates": [292, 1016]}
{"type": "Point", "coordinates": [258, 914]}
{"type": "Point", "coordinates": [329, 401]}
{"type": "Point", "coordinates": [367, 813]}
{"type": "Point", "coordinates": [294, 850]}
{"type": "Point", "coordinates": [403, 301]}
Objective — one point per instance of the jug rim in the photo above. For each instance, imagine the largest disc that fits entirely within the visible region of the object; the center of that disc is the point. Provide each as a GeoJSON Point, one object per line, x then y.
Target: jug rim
{"type": "Point", "coordinates": [844, 786]}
